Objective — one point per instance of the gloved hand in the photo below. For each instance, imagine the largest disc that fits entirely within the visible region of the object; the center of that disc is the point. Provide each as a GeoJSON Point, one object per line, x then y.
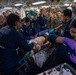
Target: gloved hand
{"type": "Point", "coordinates": [71, 43]}
{"type": "Point", "coordinates": [51, 31]}
{"type": "Point", "coordinates": [73, 58]}
{"type": "Point", "coordinates": [32, 37]}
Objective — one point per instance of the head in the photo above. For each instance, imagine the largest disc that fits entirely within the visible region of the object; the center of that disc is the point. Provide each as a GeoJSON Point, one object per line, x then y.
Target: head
{"type": "Point", "coordinates": [35, 16]}
{"type": "Point", "coordinates": [2, 19]}
{"type": "Point", "coordinates": [47, 14]}
{"type": "Point", "coordinates": [73, 29]}
{"type": "Point", "coordinates": [26, 21]}
{"type": "Point", "coordinates": [14, 20]}
{"type": "Point", "coordinates": [54, 14]}
{"type": "Point", "coordinates": [67, 14]}
{"type": "Point", "coordinates": [41, 11]}
{"type": "Point", "coordinates": [17, 13]}
{"type": "Point", "coordinates": [8, 12]}
{"type": "Point", "coordinates": [59, 14]}
{"type": "Point", "coordinates": [51, 14]}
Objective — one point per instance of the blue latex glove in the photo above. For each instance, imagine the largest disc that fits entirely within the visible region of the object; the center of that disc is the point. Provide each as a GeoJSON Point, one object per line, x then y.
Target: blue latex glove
{"type": "Point", "coordinates": [71, 43]}
{"type": "Point", "coordinates": [32, 37]}
{"type": "Point", "coordinates": [73, 58]}
{"type": "Point", "coordinates": [28, 41]}
{"type": "Point", "coordinates": [51, 31]}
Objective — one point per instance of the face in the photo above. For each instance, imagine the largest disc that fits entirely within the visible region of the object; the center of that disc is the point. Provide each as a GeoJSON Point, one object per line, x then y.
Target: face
{"type": "Point", "coordinates": [2, 20]}
{"type": "Point", "coordinates": [8, 13]}
{"type": "Point", "coordinates": [59, 14]}
{"type": "Point", "coordinates": [27, 24]}
{"type": "Point", "coordinates": [42, 11]}
{"type": "Point", "coordinates": [73, 33]}
{"type": "Point", "coordinates": [35, 16]}
{"type": "Point", "coordinates": [66, 18]}
{"type": "Point", "coordinates": [18, 24]}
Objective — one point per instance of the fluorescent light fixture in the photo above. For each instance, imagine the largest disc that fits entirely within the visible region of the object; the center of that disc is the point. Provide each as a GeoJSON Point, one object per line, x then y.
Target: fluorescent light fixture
{"type": "Point", "coordinates": [46, 6]}
{"type": "Point", "coordinates": [66, 4]}
{"type": "Point", "coordinates": [40, 2]}
{"type": "Point", "coordinates": [31, 8]}
{"type": "Point", "coordinates": [74, 0]}
{"type": "Point", "coordinates": [9, 8]}
{"type": "Point", "coordinates": [19, 4]}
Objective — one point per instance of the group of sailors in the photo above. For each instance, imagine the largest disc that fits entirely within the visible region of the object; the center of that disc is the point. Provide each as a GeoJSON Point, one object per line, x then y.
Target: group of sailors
{"type": "Point", "coordinates": [15, 32]}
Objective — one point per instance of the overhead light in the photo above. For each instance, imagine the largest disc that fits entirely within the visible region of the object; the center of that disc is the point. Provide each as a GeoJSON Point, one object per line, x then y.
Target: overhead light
{"type": "Point", "coordinates": [19, 4]}
{"type": "Point", "coordinates": [8, 8]}
{"type": "Point", "coordinates": [46, 6]}
{"type": "Point", "coordinates": [40, 2]}
{"type": "Point", "coordinates": [66, 4]}
{"type": "Point", "coordinates": [74, 0]}
{"type": "Point", "coordinates": [31, 8]}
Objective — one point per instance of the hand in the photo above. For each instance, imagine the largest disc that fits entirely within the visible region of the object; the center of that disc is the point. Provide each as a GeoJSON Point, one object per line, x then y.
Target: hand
{"type": "Point", "coordinates": [71, 43]}
{"type": "Point", "coordinates": [73, 58]}
{"type": "Point", "coordinates": [51, 31]}
{"type": "Point", "coordinates": [32, 37]}
{"type": "Point", "coordinates": [47, 43]}
{"type": "Point", "coordinates": [37, 47]}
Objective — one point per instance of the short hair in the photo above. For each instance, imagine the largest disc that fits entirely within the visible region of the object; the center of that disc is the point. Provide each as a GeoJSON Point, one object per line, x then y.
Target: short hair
{"type": "Point", "coordinates": [26, 19]}
{"type": "Point", "coordinates": [8, 11]}
{"type": "Point", "coordinates": [12, 19]}
{"type": "Point", "coordinates": [73, 24]}
{"type": "Point", "coordinates": [67, 12]}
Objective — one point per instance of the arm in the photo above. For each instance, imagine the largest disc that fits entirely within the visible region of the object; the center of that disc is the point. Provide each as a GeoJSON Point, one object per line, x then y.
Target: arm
{"type": "Point", "coordinates": [58, 39]}
{"type": "Point", "coordinates": [22, 43]}
{"type": "Point", "coordinates": [70, 42]}
{"type": "Point", "coordinates": [58, 27]}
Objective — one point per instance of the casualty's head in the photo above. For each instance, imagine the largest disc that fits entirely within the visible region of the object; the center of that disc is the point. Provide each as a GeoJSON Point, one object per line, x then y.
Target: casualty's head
{"type": "Point", "coordinates": [67, 14]}
{"type": "Point", "coordinates": [14, 20]}
{"type": "Point", "coordinates": [27, 21]}
{"type": "Point", "coordinates": [73, 29]}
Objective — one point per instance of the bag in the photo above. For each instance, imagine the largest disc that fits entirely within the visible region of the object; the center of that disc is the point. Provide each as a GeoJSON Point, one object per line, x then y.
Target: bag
{"type": "Point", "coordinates": [41, 57]}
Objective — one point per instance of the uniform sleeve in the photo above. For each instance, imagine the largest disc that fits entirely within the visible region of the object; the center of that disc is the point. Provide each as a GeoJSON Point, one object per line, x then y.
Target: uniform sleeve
{"type": "Point", "coordinates": [52, 38]}
{"type": "Point", "coordinates": [22, 32]}
{"type": "Point", "coordinates": [22, 43]}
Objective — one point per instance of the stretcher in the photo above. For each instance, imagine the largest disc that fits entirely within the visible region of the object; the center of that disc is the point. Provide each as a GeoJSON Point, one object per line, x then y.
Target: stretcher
{"type": "Point", "coordinates": [40, 41]}
{"type": "Point", "coordinates": [38, 56]}
{"type": "Point", "coordinates": [32, 59]}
